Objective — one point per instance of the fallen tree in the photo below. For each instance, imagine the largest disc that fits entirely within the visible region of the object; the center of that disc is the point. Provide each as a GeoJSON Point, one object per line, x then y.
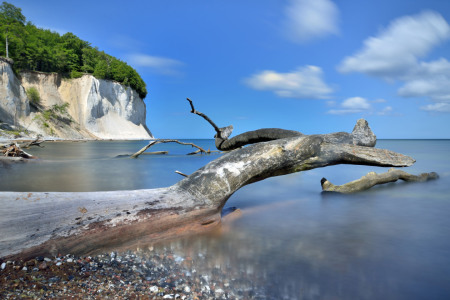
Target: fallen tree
{"type": "Point", "coordinates": [13, 151]}
{"type": "Point", "coordinates": [82, 223]}
{"type": "Point", "coordinates": [361, 135]}
{"type": "Point", "coordinates": [372, 179]}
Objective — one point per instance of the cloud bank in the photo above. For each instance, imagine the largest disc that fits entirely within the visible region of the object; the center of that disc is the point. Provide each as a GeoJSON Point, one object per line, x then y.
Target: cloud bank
{"type": "Point", "coordinates": [352, 105]}
{"type": "Point", "coordinates": [396, 52]}
{"type": "Point", "coordinates": [303, 83]}
{"type": "Point", "coordinates": [358, 105]}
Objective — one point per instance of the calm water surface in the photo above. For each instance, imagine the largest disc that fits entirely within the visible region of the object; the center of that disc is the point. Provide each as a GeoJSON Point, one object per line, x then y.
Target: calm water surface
{"type": "Point", "coordinates": [391, 242]}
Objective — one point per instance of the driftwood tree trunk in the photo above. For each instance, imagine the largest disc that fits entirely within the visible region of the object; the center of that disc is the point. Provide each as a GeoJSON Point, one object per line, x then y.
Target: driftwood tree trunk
{"type": "Point", "coordinates": [81, 223]}
{"type": "Point", "coordinates": [14, 152]}
{"type": "Point", "coordinates": [372, 179]}
{"type": "Point", "coordinates": [361, 135]}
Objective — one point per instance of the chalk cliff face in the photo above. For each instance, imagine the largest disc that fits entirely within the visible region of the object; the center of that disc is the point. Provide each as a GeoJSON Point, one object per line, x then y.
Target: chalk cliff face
{"type": "Point", "coordinates": [13, 99]}
{"type": "Point", "coordinates": [98, 108]}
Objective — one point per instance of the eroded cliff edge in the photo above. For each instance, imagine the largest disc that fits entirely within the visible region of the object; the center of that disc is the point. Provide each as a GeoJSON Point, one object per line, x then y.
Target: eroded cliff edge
{"type": "Point", "coordinates": [97, 108]}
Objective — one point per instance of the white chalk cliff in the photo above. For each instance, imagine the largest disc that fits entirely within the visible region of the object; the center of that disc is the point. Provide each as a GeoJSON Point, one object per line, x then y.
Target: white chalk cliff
{"type": "Point", "coordinates": [99, 108]}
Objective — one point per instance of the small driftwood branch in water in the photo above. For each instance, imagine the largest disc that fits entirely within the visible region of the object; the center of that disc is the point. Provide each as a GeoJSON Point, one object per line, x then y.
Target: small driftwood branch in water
{"type": "Point", "coordinates": [361, 135]}
{"type": "Point", "coordinates": [155, 153]}
{"type": "Point", "coordinates": [155, 142]}
{"type": "Point", "coordinates": [35, 142]}
{"type": "Point", "coordinates": [14, 151]}
{"type": "Point", "coordinates": [372, 179]}
{"type": "Point", "coordinates": [182, 174]}
{"type": "Point", "coordinates": [82, 223]}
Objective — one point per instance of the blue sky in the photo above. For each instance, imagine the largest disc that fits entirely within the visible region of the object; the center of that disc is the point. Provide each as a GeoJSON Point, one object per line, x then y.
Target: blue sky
{"type": "Point", "coordinates": [315, 66]}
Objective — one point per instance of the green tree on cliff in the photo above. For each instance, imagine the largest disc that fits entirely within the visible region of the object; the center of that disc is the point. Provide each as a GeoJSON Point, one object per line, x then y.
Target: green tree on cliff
{"type": "Point", "coordinates": [43, 50]}
{"type": "Point", "coordinates": [11, 22]}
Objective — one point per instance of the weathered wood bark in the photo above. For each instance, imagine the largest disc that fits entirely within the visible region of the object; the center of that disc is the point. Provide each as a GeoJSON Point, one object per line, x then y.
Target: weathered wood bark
{"type": "Point", "coordinates": [81, 223]}
{"type": "Point", "coordinates": [13, 151]}
{"type": "Point", "coordinates": [36, 142]}
{"type": "Point", "coordinates": [372, 179]}
{"type": "Point", "coordinates": [361, 135]}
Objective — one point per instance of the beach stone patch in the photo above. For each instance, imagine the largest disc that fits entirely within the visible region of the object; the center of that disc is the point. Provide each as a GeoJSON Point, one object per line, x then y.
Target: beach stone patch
{"type": "Point", "coordinates": [130, 275]}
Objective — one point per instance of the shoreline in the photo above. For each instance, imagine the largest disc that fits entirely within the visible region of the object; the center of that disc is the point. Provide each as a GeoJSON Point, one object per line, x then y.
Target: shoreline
{"type": "Point", "coordinates": [9, 140]}
{"type": "Point", "coordinates": [143, 274]}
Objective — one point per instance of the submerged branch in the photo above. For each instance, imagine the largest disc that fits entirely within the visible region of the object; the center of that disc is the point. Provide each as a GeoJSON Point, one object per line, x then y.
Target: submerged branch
{"type": "Point", "coordinates": [35, 142]}
{"type": "Point", "coordinates": [162, 141]}
{"type": "Point", "coordinates": [372, 179]}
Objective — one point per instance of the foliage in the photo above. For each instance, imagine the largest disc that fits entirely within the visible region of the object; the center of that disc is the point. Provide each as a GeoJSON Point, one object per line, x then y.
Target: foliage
{"type": "Point", "coordinates": [37, 49]}
{"type": "Point", "coordinates": [60, 109]}
{"type": "Point", "coordinates": [53, 115]}
{"type": "Point", "coordinates": [33, 95]}
{"type": "Point", "coordinates": [11, 23]}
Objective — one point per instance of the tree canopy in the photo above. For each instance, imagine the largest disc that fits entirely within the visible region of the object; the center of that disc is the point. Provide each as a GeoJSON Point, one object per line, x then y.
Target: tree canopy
{"type": "Point", "coordinates": [38, 49]}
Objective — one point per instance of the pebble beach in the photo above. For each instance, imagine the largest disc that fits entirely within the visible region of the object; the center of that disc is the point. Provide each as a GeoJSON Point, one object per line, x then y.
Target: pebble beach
{"type": "Point", "coordinates": [154, 274]}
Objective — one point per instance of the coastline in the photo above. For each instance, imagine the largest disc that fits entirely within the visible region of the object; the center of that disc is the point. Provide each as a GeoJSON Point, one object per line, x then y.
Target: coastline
{"type": "Point", "coordinates": [141, 274]}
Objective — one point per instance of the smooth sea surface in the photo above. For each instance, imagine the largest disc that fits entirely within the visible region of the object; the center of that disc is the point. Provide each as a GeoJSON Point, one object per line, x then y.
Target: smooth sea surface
{"type": "Point", "coordinates": [390, 242]}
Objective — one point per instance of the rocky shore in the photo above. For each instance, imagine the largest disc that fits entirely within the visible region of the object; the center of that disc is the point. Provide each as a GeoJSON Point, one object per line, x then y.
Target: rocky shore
{"type": "Point", "coordinates": [149, 274]}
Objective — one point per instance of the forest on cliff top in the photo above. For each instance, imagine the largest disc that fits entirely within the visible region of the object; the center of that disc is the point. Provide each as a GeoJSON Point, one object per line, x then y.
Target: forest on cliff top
{"type": "Point", "coordinates": [38, 49]}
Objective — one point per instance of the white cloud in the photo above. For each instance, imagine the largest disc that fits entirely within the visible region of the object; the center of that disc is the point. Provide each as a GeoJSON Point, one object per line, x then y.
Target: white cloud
{"type": "Point", "coordinates": [351, 106]}
{"type": "Point", "coordinates": [162, 65]}
{"type": "Point", "coordinates": [356, 103]}
{"type": "Point", "coordinates": [395, 55]}
{"type": "Point", "coordinates": [437, 107]}
{"type": "Point", "coordinates": [429, 80]}
{"type": "Point", "coordinates": [394, 52]}
{"type": "Point", "coordinates": [309, 19]}
{"type": "Point", "coordinates": [305, 82]}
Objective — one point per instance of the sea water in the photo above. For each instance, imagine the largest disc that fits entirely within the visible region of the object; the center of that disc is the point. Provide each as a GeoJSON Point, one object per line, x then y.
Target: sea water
{"type": "Point", "coordinates": [390, 242]}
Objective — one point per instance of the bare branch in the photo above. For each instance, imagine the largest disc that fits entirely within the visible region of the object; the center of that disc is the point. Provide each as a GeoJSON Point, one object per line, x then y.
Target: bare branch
{"type": "Point", "coordinates": [35, 142]}
{"type": "Point", "coordinates": [361, 135]}
{"type": "Point", "coordinates": [180, 173]}
{"type": "Point", "coordinates": [372, 179]}
{"type": "Point", "coordinates": [162, 141]}
{"type": "Point", "coordinates": [216, 128]}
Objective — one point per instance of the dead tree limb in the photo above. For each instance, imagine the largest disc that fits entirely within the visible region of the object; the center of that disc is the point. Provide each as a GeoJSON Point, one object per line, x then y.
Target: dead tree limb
{"type": "Point", "coordinates": [216, 128]}
{"type": "Point", "coordinates": [155, 142]}
{"type": "Point", "coordinates": [372, 179]}
{"type": "Point", "coordinates": [13, 150]}
{"type": "Point", "coordinates": [180, 173]}
{"type": "Point", "coordinates": [361, 135]}
{"type": "Point", "coordinates": [35, 142]}
{"type": "Point", "coordinates": [46, 223]}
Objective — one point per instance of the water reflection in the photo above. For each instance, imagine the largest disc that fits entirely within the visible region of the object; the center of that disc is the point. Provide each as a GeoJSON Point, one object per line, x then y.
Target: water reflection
{"type": "Point", "coordinates": [292, 241]}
